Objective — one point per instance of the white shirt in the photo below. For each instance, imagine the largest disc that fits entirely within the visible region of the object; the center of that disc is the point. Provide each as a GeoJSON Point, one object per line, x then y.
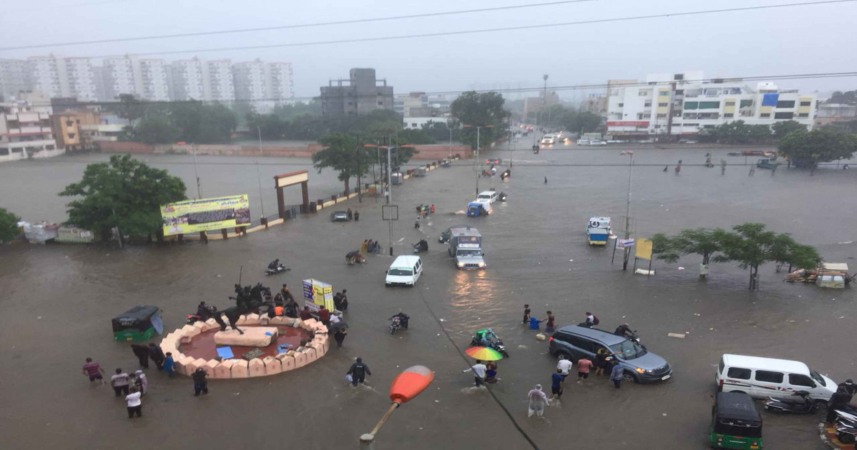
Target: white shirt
{"type": "Point", "coordinates": [334, 318]}
{"type": "Point", "coordinates": [478, 370]}
{"type": "Point", "coordinates": [133, 399]}
{"type": "Point", "coordinates": [564, 365]}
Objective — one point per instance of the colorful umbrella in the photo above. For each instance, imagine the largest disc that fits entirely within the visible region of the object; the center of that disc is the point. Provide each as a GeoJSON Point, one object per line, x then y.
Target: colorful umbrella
{"type": "Point", "coordinates": [484, 353]}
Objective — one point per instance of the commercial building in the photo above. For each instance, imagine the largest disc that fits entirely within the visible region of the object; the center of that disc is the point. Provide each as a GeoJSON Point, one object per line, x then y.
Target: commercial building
{"type": "Point", "coordinates": [360, 94]}
{"type": "Point", "coordinates": [25, 131]}
{"type": "Point", "coordinates": [686, 103]}
{"type": "Point", "coordinates": [829, 113]}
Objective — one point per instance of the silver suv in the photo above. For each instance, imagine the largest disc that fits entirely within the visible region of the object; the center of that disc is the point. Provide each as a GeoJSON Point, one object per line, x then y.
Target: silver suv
{"type": "Point", "coordinates": [641, 366]}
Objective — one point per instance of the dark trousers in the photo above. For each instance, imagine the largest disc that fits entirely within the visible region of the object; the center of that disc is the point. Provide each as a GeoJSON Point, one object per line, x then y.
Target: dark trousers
{"type": "Point", "coordinates": [357, 378]}
{"type": "Point", "coordinates": [144, 361]}
{"type": "Point", "coordinates": [479, 381]}
{"type": "Point", "coordinates": [338, 338]}
{"type": "Point", "coordinates": [121, 390]}
{"type": "Point", "coordinates": [138, 410]}
{"type": "Point", "coordinates": [159, 363]}
{"type": "Point", "coordinates": [200, 388]}
{"type": "Point", "coordinates": [617, 383]}
{"type": "Point", "coordinates": [831, 413]}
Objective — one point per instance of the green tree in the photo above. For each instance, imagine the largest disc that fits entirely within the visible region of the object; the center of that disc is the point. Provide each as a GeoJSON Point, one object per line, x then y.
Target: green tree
{"type": "Point", "coordinates": [484, 110]}
{"type": "Point", "coordinates": [130, 108]}
{"type": "Point", "coordinates": [124, 193]}
{"type": "Point", "coordinates": [847, 97]}
{"type": "Point", "coordinates": [155, 129]}
{"type": "Point", "coordinates": [8, 226]}
{"type": "Point", "coordinates": [807, 149]}
{"type": "Point", "coordinates": [701, 241]}
{"type": "Point", "coordinates": [785, 128]}
{"type": "Point", "coordinates": [738, 132]}
{"type": "Point", "coordinates": [751, 245]}
{"type": "Point", "coordinates": [344, 154]}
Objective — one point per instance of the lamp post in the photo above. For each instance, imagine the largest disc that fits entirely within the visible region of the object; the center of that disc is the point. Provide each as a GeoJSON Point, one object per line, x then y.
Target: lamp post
{"type": "Point", "coordinates": [476, 158]}
{"type": "Point", "coordinates": [258, 177]}
{"type": "Point", "coordinates": [626, 249]}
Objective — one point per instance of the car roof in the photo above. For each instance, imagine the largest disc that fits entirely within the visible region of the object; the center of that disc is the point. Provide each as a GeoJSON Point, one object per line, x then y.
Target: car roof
{"type": "Point", "coordinates": [605, 337]}
{"type": "Point", "coordinates": [488, 193]}
{"type": "Point", "coordinates": [757, 362]}
{"type": "Point", "coordinates": [406, 260]}
{"type": "Point", "coordinates": [737, 405]}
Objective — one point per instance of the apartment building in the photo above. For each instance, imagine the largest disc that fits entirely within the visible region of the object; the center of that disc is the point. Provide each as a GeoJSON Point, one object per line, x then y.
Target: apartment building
{"type": "Point", "coordinates": [686, 103]}
{"type": "Point", "coordinates": [263, 84]}
{"type": "Point", "coordinates": [13, 77]}
{"type": "Point", "coordinates": [151, 80]}
{"type": "Point", "coordinates": [187, 79]}
{"type": "Point", "coordinates": [25, 131]}
{"type": "Point", "coordinates": [118, 76]}
{"type": "Point", "coordinates": [360, 94]}
{"type": "Point", "coordinates": [218, 83]}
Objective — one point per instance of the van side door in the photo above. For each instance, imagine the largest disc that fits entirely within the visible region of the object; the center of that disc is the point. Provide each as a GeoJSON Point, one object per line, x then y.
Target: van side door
{"type": "Point", "coordinates": [769, 383]}
{"type": "Point", "coordinates": [798, 382]}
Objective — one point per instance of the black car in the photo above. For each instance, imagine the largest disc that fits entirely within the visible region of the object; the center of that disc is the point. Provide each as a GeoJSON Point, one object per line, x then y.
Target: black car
{"type": "Point", "coordinates": [339, 216]}
{"type": "Point", "coordinates": [641, 366]}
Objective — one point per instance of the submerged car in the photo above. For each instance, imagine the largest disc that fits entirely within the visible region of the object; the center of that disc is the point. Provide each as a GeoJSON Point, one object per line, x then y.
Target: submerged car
{"type": "Point", "coordinates": [339, 216]}
{"type": "Point", "coordinates": [639, 364]}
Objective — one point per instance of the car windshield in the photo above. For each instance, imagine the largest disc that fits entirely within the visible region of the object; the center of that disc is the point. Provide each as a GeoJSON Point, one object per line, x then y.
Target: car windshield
{"type": "Point", "coordinates": [401, 272]}
{"type": "Point", "coordinates": [469, 253]}
{"type": "Point", "coordinates": [818, 378]}
{"type": "Point", "coordinates": [628, 350]}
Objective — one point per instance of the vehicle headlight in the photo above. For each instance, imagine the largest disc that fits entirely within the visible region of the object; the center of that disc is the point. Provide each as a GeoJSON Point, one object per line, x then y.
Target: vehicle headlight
{"type": "Point", "coordinates": [482, 264]}
{"type": "Point", "coordinates": [460, 264]}
{"type": "Point", "coordinates": [640, 370]}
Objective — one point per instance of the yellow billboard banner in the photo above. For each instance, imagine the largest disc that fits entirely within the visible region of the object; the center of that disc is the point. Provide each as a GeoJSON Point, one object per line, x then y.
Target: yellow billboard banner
{"type": "Point", "coordinates": [193, 216]}
{"type": "Point", "coordinates": [644, 249]}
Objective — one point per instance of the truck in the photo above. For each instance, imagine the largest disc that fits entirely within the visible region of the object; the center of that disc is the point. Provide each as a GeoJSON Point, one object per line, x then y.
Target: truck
{"type": "Point", "coordinates": [598, 231]}
{"type": "Point", "coordinates": [465, 244]}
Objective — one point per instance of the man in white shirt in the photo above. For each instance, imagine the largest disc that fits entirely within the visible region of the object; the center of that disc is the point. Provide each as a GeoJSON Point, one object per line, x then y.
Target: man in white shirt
{"type": "Point", "coordinates": [478, 370]}
{"type": "Point", "coordinates": [135, 405]}
{"type": "Point", "coordinates": [564, 365]}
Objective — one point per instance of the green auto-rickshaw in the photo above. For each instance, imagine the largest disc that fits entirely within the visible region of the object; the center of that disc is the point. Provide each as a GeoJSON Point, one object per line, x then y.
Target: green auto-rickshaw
{"type": "Point", "coordinates": [735, 423]}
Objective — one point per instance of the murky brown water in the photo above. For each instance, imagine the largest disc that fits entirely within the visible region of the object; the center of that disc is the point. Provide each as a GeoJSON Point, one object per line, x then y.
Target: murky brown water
{"type": "Point", "coordinates": [58, 300]}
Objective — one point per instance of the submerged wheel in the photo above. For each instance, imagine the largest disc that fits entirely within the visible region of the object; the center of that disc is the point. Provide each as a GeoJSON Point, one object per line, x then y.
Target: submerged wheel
{"type": "Point", "coordinates": [845, 438]}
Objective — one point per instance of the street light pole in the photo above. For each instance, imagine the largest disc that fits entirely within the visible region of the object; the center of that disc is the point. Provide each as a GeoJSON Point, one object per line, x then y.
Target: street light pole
{"type": "Point", "coordinates": [626, 249]}
{"type": "Point", "coordinates": [477, 160]}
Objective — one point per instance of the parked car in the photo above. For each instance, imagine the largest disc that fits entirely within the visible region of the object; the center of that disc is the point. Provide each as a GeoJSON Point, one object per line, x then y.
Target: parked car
{"type": "Point", "coordinates": [487, 196]}
{"type": "Point", "coordinates": [339, 216]}
{"type": "Point", "coordinates": [640, 365]}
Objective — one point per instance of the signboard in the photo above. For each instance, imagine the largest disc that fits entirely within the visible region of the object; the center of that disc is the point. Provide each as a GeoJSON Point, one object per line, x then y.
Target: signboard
{"type": "Point", "coordinates": [624, 243]}
{"type": "Point", "coordinates": [644, 249]}
{"type": "Point", "coordinates": [317, 294]}
{"type": "Point", "coordinates": [193, 216]}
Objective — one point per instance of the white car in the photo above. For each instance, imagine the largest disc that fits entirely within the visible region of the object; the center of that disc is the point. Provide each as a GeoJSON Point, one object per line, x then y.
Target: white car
{"type": "Point", "coordinates": [487, 197]}
{"type": "Point", "coordinates": [548, 139]}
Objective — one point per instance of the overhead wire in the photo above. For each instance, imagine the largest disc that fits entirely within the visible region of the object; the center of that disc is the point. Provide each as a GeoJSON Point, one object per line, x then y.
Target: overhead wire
{"type": "Point", "coordinates": [294, 26]}
{"type": "Point", "coordinates": [488, 30]}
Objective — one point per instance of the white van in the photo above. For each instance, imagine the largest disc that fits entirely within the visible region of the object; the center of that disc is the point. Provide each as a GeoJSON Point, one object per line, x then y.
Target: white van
{"type": "Point", "coordinates": [405, 270]}
{"type": "Point", "coordinates": [489, 196]}
{"type": "Point", "coordinates": [769, 377]}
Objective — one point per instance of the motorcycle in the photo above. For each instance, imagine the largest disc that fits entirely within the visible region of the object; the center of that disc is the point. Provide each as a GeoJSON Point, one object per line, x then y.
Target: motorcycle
{"type": "Point", "coordinates": [190, 319]}
{"type": "Point", "coordinates": [487, 338]}
{"type": "Point", "coordinates": [354, 257]}
{"type": "Point", "coordinates": [846, 427]}
{"type": "Point", "coordinates": [398, 322]}
{"type": "Point", "coordinates": [804, 405]}
{"type": "Point", "coordinates": [279, 268]}
{"type": "Point", "coordinates": [420, 247]}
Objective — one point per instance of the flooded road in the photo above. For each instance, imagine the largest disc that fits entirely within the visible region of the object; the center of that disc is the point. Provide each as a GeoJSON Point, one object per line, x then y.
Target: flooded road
{"type": "Point", "coordinates": [57, 304]}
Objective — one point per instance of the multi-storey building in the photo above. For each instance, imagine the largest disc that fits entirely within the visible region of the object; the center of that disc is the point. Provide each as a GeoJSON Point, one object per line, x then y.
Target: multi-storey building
{"type": "Point", "coordinates": [79, 77]}
{"type": "Point", "coordinates": [218, 83]}
{"type": "Point", "coordinates": [44, 74]}
{"type": "Point", "coordinates": [25, 131]}
{"type": "Point", "coordinates": [13, 77]}
{"type": "Point", "coordinates": [686, 103]}
{"type": "Point", "coordinates": [118, 74]}
{"type": "Point", "coordinates": [150, 78]}
{"type": "Point", "coordinates": [361, 93]}
{"type": "Point", "coordinates": [263, 84]}
{"type": "Point", "coordinates": [187, 79]}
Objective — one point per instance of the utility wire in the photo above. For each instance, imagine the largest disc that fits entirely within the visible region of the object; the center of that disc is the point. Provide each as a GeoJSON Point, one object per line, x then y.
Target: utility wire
{"type": "Point", "coordinates": [294, 26]}
{"type": "Point", "coordinates": [715, 81]}
{"type": "Point", "coordinates": [540, 26]}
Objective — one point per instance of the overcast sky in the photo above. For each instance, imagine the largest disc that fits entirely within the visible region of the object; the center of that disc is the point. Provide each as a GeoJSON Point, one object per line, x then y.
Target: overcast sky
{"type": "Point", "coordinates": [797, 40]}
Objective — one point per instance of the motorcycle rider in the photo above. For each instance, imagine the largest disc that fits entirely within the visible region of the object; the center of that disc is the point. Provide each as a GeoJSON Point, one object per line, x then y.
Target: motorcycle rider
{"type": "Point", "coordinates": [837, 401]}
{"type": "Point", "coordinates": [849, 386]}
{"type": "Point", "coordinates": [625, 331]}
{"type": "Point", "coordinates": [403, 319]}
{"type": "Point", "coordinates": [274, 264]}
{"type": "Point", "coordinates": [421, 246]}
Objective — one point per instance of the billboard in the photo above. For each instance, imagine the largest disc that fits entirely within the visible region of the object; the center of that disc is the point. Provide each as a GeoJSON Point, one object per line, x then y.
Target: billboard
{"type": "Point", "coordinates": [644, 249]}
{"type": "Point", "coordinates": [193, 216]}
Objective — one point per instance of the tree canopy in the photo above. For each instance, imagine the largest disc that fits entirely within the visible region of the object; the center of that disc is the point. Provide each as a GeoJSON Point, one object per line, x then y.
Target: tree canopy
{"type": "Point", "coordinates": [737, 132]}
{"type": "Point", "coordinates": [482, 114]}
{"type": "Point", "coordinates": [785, 128]}
{"type": "Point", "coordinates": [344, 154]}
{"type": "Point", "coordinates": [749, 244]}
{"type": "Point", "coordinates": [124, 193]}
{"type": "Point", "coordinates": [807, 149]}
{"type": "Point", "coordinates": [8, 226]}
{"type": "Point", "coordinates": [190, 121]}
{"type": "Point", "coordinates": [846, 98]}
{"type": "Point", "coordinates": [559, 116]}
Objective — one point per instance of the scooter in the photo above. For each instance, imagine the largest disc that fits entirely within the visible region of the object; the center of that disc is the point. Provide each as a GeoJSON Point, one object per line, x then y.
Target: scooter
{"type": "Point", "coordinates": [846, 427]}
{"type": "Point", "coordinates": [354, 257]}
{"type": "Point", "coordinates": [398, 322]}
{"type": "Point", "coordinates": [487, 338]}
{"type": "Point", "coordinates": [420, 247]}
{"type": "Point", "coordinates": [190, 319]}
{"type": "Point", "coordinates": [804, 405]}
{"type": "Point", "coordinates": [279, 269]}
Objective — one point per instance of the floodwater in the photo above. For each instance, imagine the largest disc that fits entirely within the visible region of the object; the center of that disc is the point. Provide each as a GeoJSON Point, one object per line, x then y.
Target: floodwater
{"type": "Point", "coordinates": [58, 300]}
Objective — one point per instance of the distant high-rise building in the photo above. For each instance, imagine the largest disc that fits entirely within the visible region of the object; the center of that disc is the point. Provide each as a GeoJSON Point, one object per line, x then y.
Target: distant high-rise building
{"type": "Point", "coordinates": [62, 77]}
{"type": "Point", "coordinates": [150, 77]}
{"type": "Point", "coordinates": [187, 79]}
{"type": "Point", "coordinates": [118, 76]}
{"type": "Point", "coordinates": [263, 84]}
{"type": "Point", "coordinates": [13, 77]}
{"type": "Point", "coordinates": [361, 93]}
{"type": "Point", "coordinates": [217, 82]}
